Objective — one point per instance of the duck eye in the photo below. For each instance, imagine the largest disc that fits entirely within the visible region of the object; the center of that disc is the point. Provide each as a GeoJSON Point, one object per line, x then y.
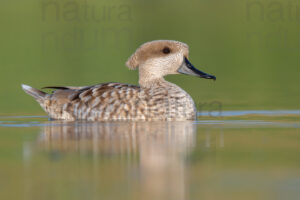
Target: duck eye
{"type": "Point", "coordinates": [166, 50]}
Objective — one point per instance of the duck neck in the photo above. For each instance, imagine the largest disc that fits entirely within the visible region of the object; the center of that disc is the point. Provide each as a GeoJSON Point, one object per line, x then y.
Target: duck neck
{"type": "Point", "coordinates": [150, 79]}
{"type": "Point", "coordinates": [153, 83]}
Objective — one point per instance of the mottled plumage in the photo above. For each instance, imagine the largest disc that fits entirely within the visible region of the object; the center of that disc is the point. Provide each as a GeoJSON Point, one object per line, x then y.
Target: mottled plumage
{"type": "Point", "coordinates": [154, 99]}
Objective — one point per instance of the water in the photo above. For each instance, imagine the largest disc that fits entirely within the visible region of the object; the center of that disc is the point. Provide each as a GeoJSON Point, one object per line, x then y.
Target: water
{"type": "Point", "coordinates": [252, 157]}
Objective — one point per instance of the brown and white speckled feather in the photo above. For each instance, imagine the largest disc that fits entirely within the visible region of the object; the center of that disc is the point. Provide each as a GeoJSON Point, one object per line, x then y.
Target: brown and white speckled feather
{"type": "Point", "coordinates": [154, 98]}
{"type": "Point", "coordinates": [117, 101]}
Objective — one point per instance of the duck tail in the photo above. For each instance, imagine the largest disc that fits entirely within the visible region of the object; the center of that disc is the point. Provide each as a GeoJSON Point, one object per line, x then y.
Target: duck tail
{"type": "Point", "coordinates": [35, 93]}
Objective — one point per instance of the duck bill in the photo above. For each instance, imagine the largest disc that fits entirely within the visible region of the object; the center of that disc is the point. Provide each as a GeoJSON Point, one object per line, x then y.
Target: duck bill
{"type": "Point", "coordinates": [189, 69]}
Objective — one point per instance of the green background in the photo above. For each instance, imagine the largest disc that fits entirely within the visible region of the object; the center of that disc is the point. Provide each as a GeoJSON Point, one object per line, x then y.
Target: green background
{"type": "Point", "coordinates": [251, 46]}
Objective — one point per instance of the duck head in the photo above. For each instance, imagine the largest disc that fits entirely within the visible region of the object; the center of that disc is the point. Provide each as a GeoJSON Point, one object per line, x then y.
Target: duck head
{"type": "Point", "coordinates": [159, 58]}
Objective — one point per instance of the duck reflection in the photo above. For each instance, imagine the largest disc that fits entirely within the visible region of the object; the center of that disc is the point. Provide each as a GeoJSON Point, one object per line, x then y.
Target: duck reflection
{"type": "Point", "coordinates": [159, 149]}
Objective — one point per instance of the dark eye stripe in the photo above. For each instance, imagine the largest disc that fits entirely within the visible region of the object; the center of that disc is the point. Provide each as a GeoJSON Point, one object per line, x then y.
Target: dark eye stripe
{"type": "Point", "coordinates": [166, 50]}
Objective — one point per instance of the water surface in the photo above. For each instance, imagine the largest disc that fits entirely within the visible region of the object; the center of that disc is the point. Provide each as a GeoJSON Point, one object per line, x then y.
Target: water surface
{"type": "Point", "coordinates": [238, 155]}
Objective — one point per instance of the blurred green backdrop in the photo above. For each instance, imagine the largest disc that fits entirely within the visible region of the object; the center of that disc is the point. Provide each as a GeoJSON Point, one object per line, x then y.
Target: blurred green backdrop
{"type": "Point", "coordinates": [252, 46]}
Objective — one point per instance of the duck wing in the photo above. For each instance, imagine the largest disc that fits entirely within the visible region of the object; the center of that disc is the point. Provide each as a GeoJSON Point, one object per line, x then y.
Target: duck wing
{"type": "Point", "coordinates": [63, 87]}
{"type": "Point", "coordinates": [81, 103]}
